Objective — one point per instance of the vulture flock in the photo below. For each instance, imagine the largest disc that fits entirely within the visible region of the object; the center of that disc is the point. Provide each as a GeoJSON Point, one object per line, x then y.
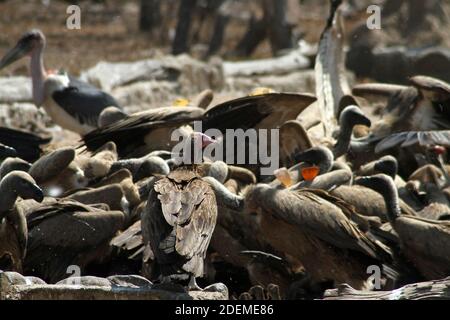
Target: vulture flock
{"type": "Point", "coordinates": [353, 192]}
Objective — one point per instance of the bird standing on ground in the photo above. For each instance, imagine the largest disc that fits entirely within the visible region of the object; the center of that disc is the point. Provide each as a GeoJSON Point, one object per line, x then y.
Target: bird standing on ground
{"type": "Point", "coordinates": [71, 103]}
{"type": "Point", "coordinates": [179, 220]}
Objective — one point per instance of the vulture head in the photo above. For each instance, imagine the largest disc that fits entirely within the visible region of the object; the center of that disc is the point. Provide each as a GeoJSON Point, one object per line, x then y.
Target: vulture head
{"type": "Point", "coordinates": [385, 186]}
{"type": "Point", "coordinates": [320, 157]}
{"type": "Point", "coordinates": [23, 185]}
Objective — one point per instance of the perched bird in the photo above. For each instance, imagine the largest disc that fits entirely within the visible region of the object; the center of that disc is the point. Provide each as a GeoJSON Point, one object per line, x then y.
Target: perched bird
{"type": "Point", "coordinates": [142, 132]}
{"type": "Point", "coordinates": [179, 220]}
{"type": "Point", "coordinates": [64, 233]}
{"type": "Point", "coordinates": [71, 103]}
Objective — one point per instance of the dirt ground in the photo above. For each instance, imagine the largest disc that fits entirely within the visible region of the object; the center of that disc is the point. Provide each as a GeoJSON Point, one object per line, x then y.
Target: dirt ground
{"type": "Point", "coordinates": [109, 31]}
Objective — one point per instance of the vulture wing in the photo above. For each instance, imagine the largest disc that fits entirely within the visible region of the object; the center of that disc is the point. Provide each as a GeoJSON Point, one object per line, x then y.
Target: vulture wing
{"type": "Point", "coordinates": [179, 222]}
{"type": "Point", "coordinates": [267, 111]}
{"type": "Point", "coordinates": [130, 133]}
{"type": "Point", "coordinates": [64, 235]}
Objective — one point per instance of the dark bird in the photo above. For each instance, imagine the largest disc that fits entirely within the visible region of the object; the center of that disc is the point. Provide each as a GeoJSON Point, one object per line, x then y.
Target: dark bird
{"type": "Point", "coordinates": [64, 233]}
{"type": "Point", "coordinates": [71, 103]}
{"type": "Point", "coordinates": [152, 129]}
{"type": "Point", "coordinates": [179, 220]}
{"type": "Point", "coordinates": [22, 144]}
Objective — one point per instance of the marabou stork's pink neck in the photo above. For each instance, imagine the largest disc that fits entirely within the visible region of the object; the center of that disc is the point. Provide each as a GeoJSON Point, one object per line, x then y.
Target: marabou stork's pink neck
{"type": "Point", "coordinates": [38, 74]}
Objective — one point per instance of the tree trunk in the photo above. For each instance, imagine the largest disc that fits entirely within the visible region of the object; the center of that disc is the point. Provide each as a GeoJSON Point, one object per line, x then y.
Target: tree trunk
{"type": "Point", "coordinates": [181, 41]}
{"type": "Point", "coordinates": [280, 33]}
{"type": "Point", "coordinates": [150, 15]}
{"type": "Point", "coordinates": [218, 33]}
{"type": "Point", "coordinates": [256, 33]}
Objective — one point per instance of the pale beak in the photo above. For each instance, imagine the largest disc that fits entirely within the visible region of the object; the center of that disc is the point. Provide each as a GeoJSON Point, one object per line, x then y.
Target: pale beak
{"type": "Point", "coordinates": [16, 53]}
{"type": "Point", "coordinates": [207, 140]}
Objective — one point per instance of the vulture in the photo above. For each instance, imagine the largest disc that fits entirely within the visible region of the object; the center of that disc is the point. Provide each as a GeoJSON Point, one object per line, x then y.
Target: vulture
{"type": "Point", "coordinates": [57, 172]}
{"type": "Point", "coordinates": [151, 130]}
{"type": "Point", "coordinates": [179, 219]}
{"type": "Point", "coordinates": [62, 233]}
{"type": "Point", "coordinates": [322, 232]}
{"type": "Point", "coordinates": [424, 242]}
{"type": "Point", "coordinates": [13, 226]}
{"type": "Point", "coordinates": [415, 116]}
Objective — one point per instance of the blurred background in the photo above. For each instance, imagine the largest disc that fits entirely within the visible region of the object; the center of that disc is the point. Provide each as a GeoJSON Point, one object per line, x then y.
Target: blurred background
{"type": "Point", "coordinates": [115, 30]}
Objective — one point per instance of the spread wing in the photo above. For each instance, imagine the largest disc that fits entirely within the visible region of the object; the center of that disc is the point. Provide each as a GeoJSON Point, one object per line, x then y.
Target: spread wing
{"type": "Point", "coordinates": [410, 138]}
{"type": "Point", "coordinates": [130, 132]}
{"type": "Point", "coordinates": [269, 110]}
{"type": "Point", "coordinates": [26, 144]}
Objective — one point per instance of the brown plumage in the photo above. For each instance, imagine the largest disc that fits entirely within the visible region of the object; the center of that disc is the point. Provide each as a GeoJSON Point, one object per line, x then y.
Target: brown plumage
{"type": "Point", "coordinates": [178, 223]}
{"type": "Point", "coordinates": [367, 202]}
{"type": "Point", "coordinates": [66, 233]}
{"type": "Point", "coordinates": [318, 232]}
{"type": "Point", "coordinates": [321, 231]}
{"type": "Point", "coordinates": [425, 243]}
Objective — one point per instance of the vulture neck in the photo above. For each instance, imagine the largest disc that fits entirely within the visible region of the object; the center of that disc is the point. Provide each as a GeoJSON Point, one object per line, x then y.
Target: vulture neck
{"type": "Point", "coordinates": [224, 196]}
{"type": "Point", "coordinates": [38, 75]}
{"type": "Point", "coordinates": [391, 199]}
{"type": "Point", "coordinates": [343, 141]}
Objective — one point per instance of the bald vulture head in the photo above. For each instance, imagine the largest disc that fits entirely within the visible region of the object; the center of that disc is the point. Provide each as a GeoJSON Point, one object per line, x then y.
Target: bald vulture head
{"type": "Point", "coordinates": [385, 186]}
{"type": "Point", "coordinates": [387, 165]}
{"type": "Point", "coordinates": [52, 164]}
{"type": "Point", "coordinates": [225, 197]}
{"type": "Point", "coordinates": [109, 116]}
{"type": "Point", "coordinates": [319, 156]}
{"type": "Point", "coordinates": [151, 166]}
{"type": "Point", "coordinates": [192, 148]}
{"type": "Point", "coordinates": [143, 167]}
{"type": "Point", "coordinates": [350, 117]}
{"type": "Point", "coordinates": [27, 43]}
{"type": "Point", "coordinates": [13, 164]}
{"type": "Point", "coordinates": [219, 171]}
